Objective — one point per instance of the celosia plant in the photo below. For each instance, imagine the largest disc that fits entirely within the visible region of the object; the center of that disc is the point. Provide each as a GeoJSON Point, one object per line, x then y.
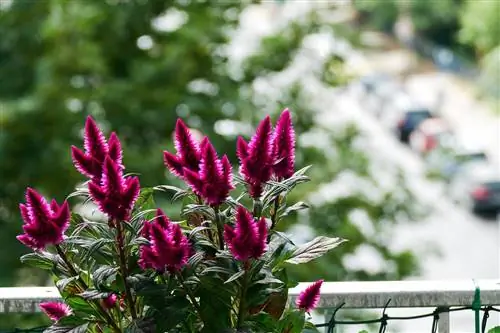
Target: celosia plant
{"type": "Point", "coordinates": [222, 268]}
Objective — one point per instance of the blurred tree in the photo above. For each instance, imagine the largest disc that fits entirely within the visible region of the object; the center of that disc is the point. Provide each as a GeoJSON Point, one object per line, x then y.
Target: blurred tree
{"type": "Point", "coordinates": [480, 27]}
{"type": "Point", "coordinates": [138, 65]}
{"type": "Point", "coordinates": [437, 21]}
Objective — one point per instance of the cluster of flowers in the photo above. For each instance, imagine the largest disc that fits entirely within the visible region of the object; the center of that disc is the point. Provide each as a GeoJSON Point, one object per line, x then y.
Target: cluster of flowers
{"type": "Point", "coordinates": [269, 153]}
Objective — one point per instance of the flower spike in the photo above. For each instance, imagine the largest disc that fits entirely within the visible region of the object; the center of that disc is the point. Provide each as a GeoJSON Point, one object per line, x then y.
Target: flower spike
{"type": "Point", "coordinates": [168, 248]}
{"type": "Point", "coordinates": [213, 182]}
{"type": "Point", "coordinates": [55, 310]}
{"type": "Point", "coordinates": [308, 299]}
{"type": "Point", "coordinates": [90, 162]}
{"type": "Point", "coordinates": [248, 239]}
{"type": "Point", "coordinates": [44, 223]}
{"type": "Point", "coordinates": [188, 151]}
{"type": "Point", "coordinates": [256, 160]}
{"type": "Point", "coordinates": [283, 143]}
{"type": "Point", "coordinates": [116, 194]}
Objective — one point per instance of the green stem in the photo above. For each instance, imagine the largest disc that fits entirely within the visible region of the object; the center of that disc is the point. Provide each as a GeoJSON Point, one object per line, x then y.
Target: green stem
{"type": "Point", "coordinates": [220, 228]}
{"type": "Point", "coordinates": [257, 208]}
{"type": "Point", "coordinates": [123, 268]}
{"type": "Point", "coordinates": [96, 305]}
{"type": "Point", "coordinates": [274, 216]}
{"type": "Point", "coordinates": [243, 295]}
{"type": "Point", "coordinates": [189, 293]}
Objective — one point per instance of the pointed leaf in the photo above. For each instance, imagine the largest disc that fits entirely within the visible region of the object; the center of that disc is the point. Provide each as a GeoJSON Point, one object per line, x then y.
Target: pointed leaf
{"type": "Point", "coordinates": [314, 249]}
{"type": "Point", "coordinates": [235, 276]}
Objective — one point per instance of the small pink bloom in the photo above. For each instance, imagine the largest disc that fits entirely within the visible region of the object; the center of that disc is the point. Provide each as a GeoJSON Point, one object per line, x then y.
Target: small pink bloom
{"type": "Point", "coordinates": [55, 310]}
{"type": "Point", "coordinates": [255, 158]}
{"type": "Point", "coordinates": [309, 298]}
{"type": "Point", "coordinates": [168, 248]}
{"type": "Point", "coordinates": [188, 151]}
{"type": "Point", "coordinates": [116, 194]}
{"type": "Point", "coordinates": [248, 238]}
{"type": "Point", "coordinates": [213, 182]}
{"type": "Point", "coordinates": [44, 223]}
{"type": "Point", "coordinates": [90, 162]}
{"type": "Point", "coordinates": [110, 301]}
{"type": "Point", "coordinates": [283, 143]}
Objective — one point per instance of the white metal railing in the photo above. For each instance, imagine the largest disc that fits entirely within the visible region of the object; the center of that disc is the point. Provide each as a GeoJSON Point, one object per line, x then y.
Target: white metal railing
{"type": "Point", "coordinates": [352, 295]}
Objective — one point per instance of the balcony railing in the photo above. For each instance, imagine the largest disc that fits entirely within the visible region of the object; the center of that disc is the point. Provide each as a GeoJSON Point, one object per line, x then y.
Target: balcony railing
{"type": "Point", "coordinates": [474, 296]}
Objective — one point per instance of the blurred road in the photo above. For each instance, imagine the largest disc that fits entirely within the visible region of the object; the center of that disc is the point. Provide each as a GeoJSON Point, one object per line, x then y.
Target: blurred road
{"type": "Point", "coordinates": [469, 246]}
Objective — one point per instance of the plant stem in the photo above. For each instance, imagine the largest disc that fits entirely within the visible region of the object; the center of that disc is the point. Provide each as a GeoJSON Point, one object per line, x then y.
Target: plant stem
{"type": "Point", "coordinates": [84, 286]}
{"type": "Point", "coordinates": [257, 208]}
{"type": "Point", "coordinates": [189, 293]}
{"type": "Point", "coordinates": [220, 232]}
{"type": "Point", "coordinates": [243, 295]}
{"type": "Point", "coordinates": [274, 216]}
{"type": "Point", "coordinates": [123, 268]}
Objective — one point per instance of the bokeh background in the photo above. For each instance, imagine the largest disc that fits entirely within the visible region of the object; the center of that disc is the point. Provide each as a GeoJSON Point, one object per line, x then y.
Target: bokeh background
{"type": "Point", "coordinates": [340, 66]}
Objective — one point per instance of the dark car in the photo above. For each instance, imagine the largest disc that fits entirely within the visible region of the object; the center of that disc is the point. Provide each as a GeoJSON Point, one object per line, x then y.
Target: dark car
{"type": "Point", "coordinates": [409, 121]}
{"type": "Point", "coordinates": [478, 188]}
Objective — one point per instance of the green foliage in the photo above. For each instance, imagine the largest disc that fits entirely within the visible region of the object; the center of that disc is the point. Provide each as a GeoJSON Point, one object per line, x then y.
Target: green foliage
{"type": "Point", "coordinates": [495, 330]}
{"type": "Point", "coordinates": [90, 64]}
{"type": "Point", "coordinates": [480, 28]}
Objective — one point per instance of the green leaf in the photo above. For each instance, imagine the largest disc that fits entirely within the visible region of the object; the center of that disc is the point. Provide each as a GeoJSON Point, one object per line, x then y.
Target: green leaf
{"type": "Point", "coordinates": [145, 202]}
{"type": "Point", "coordinates": [95, 247]}
{"type": "Point", "coordinates": [293, 322]}
{"type": "Point", "coordinates": [104, 275]}
{"type": "Point", "coordinates": [179, 193]}
{"type": "Point", "coordinates": [92, 294]}
{"type": "Point", "coordinates": [63, 283]}
{"type": "Point", "coordinates": [494, 330]}
{"type": "Point", "coordinates": [43, 260]}
{"type": "Point", "coordinates": [199, 209]}
{"type": "Point", "coordinates": [314, 249]}
{"type": "Point", "coordinates": [217, 269]}
{"type": "Point", "coordinates": [294, 208]}
{"type": "Point", "coordinates": [311, 328]}
{"type": "Point", "coordinates": [235, 276]}
{"type": "Point", "coordinates": [60, 327]}
{"type": "Point", "coordinates": [78, 304]}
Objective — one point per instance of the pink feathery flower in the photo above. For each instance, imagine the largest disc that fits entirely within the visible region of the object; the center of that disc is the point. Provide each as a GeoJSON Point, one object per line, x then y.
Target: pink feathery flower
{"type": "Point", "coordinates": [188, 151]}
{"type": "Point", "coordinates": [90, 162]}
{"type": "Point", "coordinates": [55, 310]}
{"type": "Point", "coordinates": [116, 194]}
{"type": "Point", "coordinates": [248, 238]}
{"type": "Point", "coordinates": [308, 299]}
{"type": "Point", "coordinates": [214, 180]}
{"type": "Point", "coordinates": [283, 143]}
{"type": "Point", "coordinates": [168, 247]}
{"type": "Point", "coordinates": [44, 223]}
{"type": "Point", "coordinates": [256, 158]}
{"type": "Point", "coordinates": [110, 301]}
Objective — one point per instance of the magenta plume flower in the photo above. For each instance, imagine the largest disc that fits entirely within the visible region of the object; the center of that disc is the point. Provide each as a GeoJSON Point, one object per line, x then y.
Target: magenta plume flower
{"type": "Point", "coordinates": [168, 248]}
{"type": "Point", "coordinates": [214, 180]}
{"type": "Point", "coordinates": [44, 223]}
{"type": "Point", "coordinates": [188, 151]}
{"type": "Point", "coordinates": [283, 143]}
{"type": "Point", "coordinates": [116, 194]}
{"type": "Point", "coordinates": [110, 301]}
{"type": "Point", "coordinates": [55, 310]}
{"type": "Point", "coordinates": [309, 298]}
{"type": "Point", "coordinates": [256, 158]}
{"type": "Point", "coordinates": [248, 238]}
{"type": "Point", "coordinates": [90, 162]}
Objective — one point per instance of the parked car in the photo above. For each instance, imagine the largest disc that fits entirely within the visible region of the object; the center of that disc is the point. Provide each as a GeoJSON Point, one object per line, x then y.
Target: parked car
{"type": "Point", "coordinates": [477, 187]}
{"type": "Point", "coordinates": [409, 120]}
{"type": "Point", "coordinates": [430, 134]}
